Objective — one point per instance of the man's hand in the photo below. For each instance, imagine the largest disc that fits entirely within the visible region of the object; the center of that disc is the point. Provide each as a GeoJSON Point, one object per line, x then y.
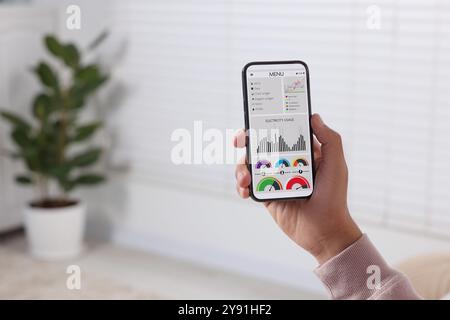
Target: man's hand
{"type": "Point", "coordinates": [322, 223]}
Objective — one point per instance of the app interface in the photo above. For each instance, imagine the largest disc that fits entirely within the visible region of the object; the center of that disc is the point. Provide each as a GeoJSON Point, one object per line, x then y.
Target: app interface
{"type": "Point", "coordinates": [279, 131]}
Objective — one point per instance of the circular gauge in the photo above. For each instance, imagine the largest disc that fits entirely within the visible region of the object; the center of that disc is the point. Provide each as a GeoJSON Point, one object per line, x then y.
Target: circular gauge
{"type": "Point", "coordinates": [300, 162]}
{"type": "Point", "coordinates": [269, 184]}
{"type": "Point", "coordinates": [282, 163]}
{"type": "Point", "coordinates": [297, 183]}
{"type": "Point", "coordinates": [262, 164]}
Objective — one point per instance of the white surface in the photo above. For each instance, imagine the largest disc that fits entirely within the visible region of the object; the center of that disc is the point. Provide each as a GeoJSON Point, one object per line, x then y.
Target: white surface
{"type": "Point", "coordinates": [214, 230]}
{"type": "Point", "coordinates": [56, 233]}
{"type": "Point", "coordinates": [175, 279]}
{"type": "Point", "coordinates": [231, 233]}
{"type": "Point", "coordinates": [112, 272]}
{"type": "Point", "coordinates": [21, 30]}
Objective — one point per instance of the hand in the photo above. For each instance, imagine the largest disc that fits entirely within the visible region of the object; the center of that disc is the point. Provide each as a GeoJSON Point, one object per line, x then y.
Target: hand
{"type": "Point", "coordinates": [321, 224]}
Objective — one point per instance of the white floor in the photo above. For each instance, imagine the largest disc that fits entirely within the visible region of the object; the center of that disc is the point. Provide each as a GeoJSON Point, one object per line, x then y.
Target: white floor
{"type": "Point", "coordinates": [112, 272]}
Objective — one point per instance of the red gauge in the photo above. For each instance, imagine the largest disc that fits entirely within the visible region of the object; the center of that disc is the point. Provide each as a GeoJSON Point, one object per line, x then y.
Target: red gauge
{"type": "Point", "coordinates": [297, 183]}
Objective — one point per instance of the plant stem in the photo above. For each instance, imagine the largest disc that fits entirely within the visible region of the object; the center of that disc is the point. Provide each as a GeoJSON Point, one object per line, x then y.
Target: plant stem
{"type": "Point", "coordinates": [42, 186]}
{"type": "Point", "coordinates": [62, 134]}
{"type": "Point", "coordinates": [45, 187]}
{"type": "Point", "coordinates": [62, 130]}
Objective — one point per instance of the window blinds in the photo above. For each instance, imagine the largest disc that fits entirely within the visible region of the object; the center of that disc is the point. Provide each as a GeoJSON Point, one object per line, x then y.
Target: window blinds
{"type": "Point", "coordinates": [386, 90]}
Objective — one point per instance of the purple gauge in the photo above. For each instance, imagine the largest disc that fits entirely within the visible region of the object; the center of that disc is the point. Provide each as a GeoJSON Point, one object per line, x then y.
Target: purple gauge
{"type": "Point", "coordinates": [261, 164]}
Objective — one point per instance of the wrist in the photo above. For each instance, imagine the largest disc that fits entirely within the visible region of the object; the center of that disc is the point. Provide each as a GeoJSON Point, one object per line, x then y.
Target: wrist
{"type": "Point", "coordinates": [341, 238]}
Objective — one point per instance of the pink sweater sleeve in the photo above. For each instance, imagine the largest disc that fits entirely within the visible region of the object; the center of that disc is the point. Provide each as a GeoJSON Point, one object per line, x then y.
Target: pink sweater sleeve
{"type": "Point", "coordinates": [353, 274]}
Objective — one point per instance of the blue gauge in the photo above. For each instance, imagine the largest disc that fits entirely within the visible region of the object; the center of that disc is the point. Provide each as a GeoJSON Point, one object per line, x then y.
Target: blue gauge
{"type": "Point", "coordinates": [282, 163]}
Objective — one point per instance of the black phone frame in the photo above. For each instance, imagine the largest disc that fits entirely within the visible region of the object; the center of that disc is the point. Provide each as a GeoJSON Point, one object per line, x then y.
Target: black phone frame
{"type": "Point", "coordinates": [247, 125]}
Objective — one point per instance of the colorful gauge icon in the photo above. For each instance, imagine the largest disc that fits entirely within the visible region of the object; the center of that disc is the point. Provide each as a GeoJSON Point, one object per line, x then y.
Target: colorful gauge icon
{"type": "Point", "coordinates": [297, 183]}
{"type": "Point", "coordinates": [300, 162]}
{"type": "Point", "coordinates": [282, 163]}
{"type": "Point", "coordinates": [262, 164]}
{"type": "Point", "coordinates": [269, 184]}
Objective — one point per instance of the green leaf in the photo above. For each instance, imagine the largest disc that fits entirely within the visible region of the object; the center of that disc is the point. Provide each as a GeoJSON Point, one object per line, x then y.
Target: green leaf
{"type": "Point", "coordinates": [59, 171]}
{"type": "Point", "coordinates": [82, 89]}
{"type": "Point", "coordinates": [76, 102]}
{"type": "Point", "coordinates": [42, 106]}
{"type": "Point", "coordinates": [89, 179]}
{"type": "Point", "coordinates": [86, 81]}
{"type": "Point", "coordinates": [47, 75]}
{"type": "Point", "coordinates": [54, 46]}
{"type": "Point", "coordinates": [89, 78]}
{"type": "Point", "coordinates": [86, 131]}
{"type": "Point", "coordinates": [31, 156]}
{"type": "Point", "coordinates": [15, 120]}
{"type": "Point", "coordinates": [87, 74]}
{"type": "Point", "coordinates": [84, 179]}
{"type": "Point", "coordinates": [94, 84]}
{"type": "Point", "coordinates": [86, 158]}
{"type": "Point", "coordinates": [71, 56]}
{"type": "Point", "coordinates": [68, 53]}
{"type": "Point", "coordinates": [21, 137]}
{"type": "Point", "coordinates": [24, 179]}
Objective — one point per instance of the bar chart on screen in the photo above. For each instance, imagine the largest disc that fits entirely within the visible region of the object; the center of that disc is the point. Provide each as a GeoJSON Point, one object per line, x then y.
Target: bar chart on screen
{"type": "Point", "coordinates": [283, 134]}
{"type": "Point", "coordinates": [278, 144]}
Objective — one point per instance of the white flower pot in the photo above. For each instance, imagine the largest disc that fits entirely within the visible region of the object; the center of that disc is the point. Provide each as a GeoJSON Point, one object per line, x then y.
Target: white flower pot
{"type": "Point", "coordinates": [55, 233]}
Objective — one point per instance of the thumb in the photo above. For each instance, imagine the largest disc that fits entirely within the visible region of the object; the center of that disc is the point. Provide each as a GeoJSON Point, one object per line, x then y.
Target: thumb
{"type": "Point", "coordinates": [331, 142]}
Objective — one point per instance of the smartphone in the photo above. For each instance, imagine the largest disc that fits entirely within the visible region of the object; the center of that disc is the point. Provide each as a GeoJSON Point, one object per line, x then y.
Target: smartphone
{"type": "Point", "coordinates": [277, 111]}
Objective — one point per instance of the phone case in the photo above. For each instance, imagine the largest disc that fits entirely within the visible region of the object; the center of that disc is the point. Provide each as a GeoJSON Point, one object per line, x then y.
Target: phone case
{"type": "Point", "coordinates": [246, 117]}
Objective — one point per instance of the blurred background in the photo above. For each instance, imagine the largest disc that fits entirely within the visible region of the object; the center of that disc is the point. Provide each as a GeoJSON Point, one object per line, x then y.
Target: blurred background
{"type": "Point", "coordinates": [380, 74]}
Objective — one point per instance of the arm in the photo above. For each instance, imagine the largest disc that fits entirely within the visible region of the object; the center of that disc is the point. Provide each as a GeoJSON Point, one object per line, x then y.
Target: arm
{"type": "Point", "coordinates": [360, 272]}
{"type": "Point", "coordinates": [323, 226]}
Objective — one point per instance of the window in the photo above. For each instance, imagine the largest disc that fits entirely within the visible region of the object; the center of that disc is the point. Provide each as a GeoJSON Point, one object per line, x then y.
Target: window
{"type": "Point", "coordinates": [386, 90]}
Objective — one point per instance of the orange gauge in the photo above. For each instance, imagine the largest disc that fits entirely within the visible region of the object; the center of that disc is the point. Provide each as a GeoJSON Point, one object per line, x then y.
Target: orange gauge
{"type": "Point", "coordinates": [300, 162]}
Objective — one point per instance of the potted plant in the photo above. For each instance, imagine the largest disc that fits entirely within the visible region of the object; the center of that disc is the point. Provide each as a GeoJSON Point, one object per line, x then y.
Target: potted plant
{"type": "Point", "coordinates": [48, 144]}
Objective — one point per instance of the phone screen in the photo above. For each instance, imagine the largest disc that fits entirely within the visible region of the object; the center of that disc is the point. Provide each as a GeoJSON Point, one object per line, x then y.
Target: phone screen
{"type": "Point", "coordinates": [277, 111]}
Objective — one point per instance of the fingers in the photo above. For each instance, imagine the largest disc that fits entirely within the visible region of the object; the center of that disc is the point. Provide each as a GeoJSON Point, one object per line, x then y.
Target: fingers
{"type": "Point", "coordinates": [317, 153]}
{"type": "Point", "coordinates": [242, 176]}
{"type": "Point", "coordinates": [243, 192]}
{"type": "Point", "coordinates": [242, 160]}
{"type": "Point", "coordinates": [324, 133]}
{"type": "Point", "coordinates": [316, 149]}
{"type": "Point", "coordinates": [330, 140]}
{"type": "Point", "coordinates": [242, 183]}
{"type": "Point", "coordinates": [239, 139]}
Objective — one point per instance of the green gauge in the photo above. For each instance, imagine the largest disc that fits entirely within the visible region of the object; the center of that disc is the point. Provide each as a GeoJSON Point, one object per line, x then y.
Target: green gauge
{"type": "Point", "coordinates": [269, 184]}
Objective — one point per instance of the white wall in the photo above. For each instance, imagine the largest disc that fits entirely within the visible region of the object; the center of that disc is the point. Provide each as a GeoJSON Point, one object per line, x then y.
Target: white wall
{"type": "Point", "coordinates": [227, 232]}
{"type": "Point", "coordinates": [21, 29]}
{"type": "Point", "coordinates": [94, 18]}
